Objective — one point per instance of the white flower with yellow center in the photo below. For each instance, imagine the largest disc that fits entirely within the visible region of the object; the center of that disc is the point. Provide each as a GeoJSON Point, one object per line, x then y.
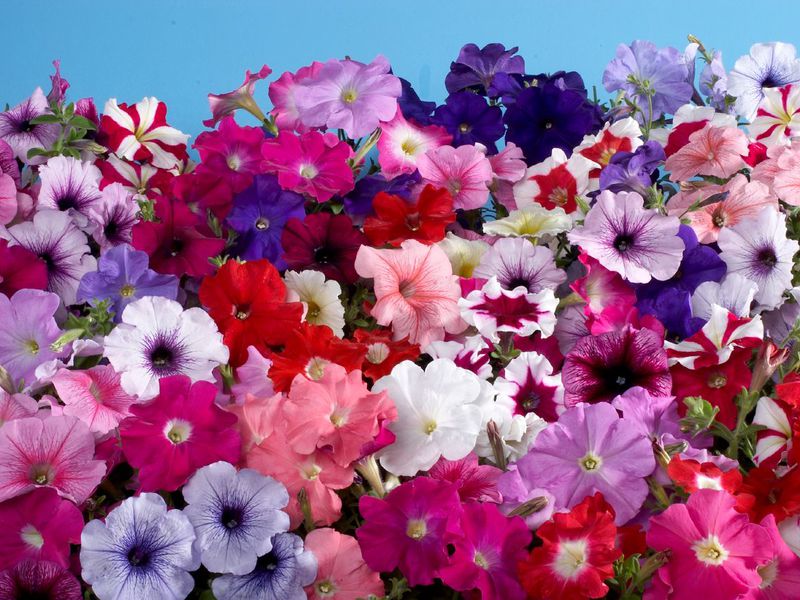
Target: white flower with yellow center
{"type": "Point", "coordinates": [319, 297]}
{"type": "Point", "coordinates": [533, 222]}
{"type": "Point", "coordinates": [464, 255]}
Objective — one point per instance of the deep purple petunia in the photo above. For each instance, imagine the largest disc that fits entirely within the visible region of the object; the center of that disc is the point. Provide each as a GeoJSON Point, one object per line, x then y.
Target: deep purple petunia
{"type": "Point", "coordinates": [358, 203]}
{"type": "Point", "coordinates": [673, 308]}
{"type": "Point", "coordinates": [508, 85]}
{"type": "Point", "coordinates": [412, 107]}
{"type": "Point", "coordinates": [632, 171]}
{"type": "Point", "coordinates": [259, 215]}
{"type": "Point", "coordinates": [470, 120]}
{"type": "Point", "coordinates": [475, 68]}
{"type": "Point", "coordinates": [547, 117]}
{"type": "Point", "coordinates": [16, 128]}
{"type": "Point", "coordinates": [601, 367]}
{"type": "Point", "coordinates": [40, 580]}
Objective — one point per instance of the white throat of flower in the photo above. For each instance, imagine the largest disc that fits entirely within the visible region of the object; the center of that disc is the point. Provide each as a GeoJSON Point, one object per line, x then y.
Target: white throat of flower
{"type": "Point", "coordinates": [571, 558]}
{"type": "Point", "coordinates": [710, 551]}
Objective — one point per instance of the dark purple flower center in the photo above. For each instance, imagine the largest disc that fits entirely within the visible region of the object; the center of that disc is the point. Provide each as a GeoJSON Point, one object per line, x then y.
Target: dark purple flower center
{"type": "Point", "coordinates": [323, 255]}
{"type": "Point", "coordinates": [623, 242]}
{"type": "Point", "coordinates": [767, 258]}
{"type": "Point", "coordinates": [231, 517]}
{"type": "Point", "coordinates": [618, 378]}
{"type": "Point", "coordinates": [25, 126]}
{"type": "Point", "coordinates": [267, 563]}
{"type": "Point", "coordinates": [161, 357]}
{"type": "Point", "coordinates": [176, 247]}
{"type": "Point", "coordinates": [110, 229]}
{"type": "Point", "coordinates": [138, 557]}
{"type": "Point", "coordinates": [66, 202]}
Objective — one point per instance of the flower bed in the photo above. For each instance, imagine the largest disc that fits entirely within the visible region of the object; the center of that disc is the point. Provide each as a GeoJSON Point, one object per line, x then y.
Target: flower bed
{"type": "Point", "coordinates": [523, 344]}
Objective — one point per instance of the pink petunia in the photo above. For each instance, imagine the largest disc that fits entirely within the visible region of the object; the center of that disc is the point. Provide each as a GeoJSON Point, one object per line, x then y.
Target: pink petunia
{"type": "Point", "coordinates": [337, 412]}
{"type": "Point", "coordinates": [242, 97]}
{"type": "Point", "coordinates": [53, 452]}
{"type": "Point", "coordinates": [475, 482]}
{"type": "Point", "coordinates": [416, 291]}
{"type": "Point", "coordinates": [715, 151]}
{"type": "Point", "coordinates": [282, 92]}
{"type": "Point", "coordinates": [402, 142]}
{"type": "Point", "coordinates": [464, 171]}
{"type": "Point", "coordinates": [181, 430]}
{"type": "Point", "coordinates": [16, 406]}
{"type": "Point", "coordinates": [38, 526]}
{"type": "Point", "coordinates": [312, 163]}
{"type": "Point", "coordinates": [257, 417]}
{"type": "Point", "coordinates": [231, 153]}
{"type": "Point", "coordinates": [95, 396]}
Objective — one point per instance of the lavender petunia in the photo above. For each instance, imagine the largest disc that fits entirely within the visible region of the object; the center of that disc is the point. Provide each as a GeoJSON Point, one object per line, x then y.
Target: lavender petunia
{"type": "Point", "coordinates": [769, 65]}
{"type": "Point", "coordinates": [16, 128]}
{"type": "Point", "coordinates": [235, 515]}
{"type": "Point", "coordinates": [476, 67]}
{"type": "Point", "coordinates": [122, 276]}
{"type": "Point", "coordinates": [142, 550]}
{"type": "Point", "coordinates": [714, 83]}
{"type": "Point", "coordinates": [516, 262]}
{"type": "Point", "coordinates": [632, 171]}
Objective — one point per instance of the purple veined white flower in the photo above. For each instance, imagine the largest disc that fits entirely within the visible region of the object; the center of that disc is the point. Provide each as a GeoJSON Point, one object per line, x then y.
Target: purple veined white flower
{"type": "Point", "coordinates": [142, 550]}
{"type": "Point", "coordinates": [767, 66]}
{"type": "Point", "coordinates": [71, 186]}
{"type": "Point", "coordinates": [18, 132]}
{"type": "Point", "coordinates": [735, 292]}
{"type": "Point", "coordinates": [760, 251]}
{"type": "Point", "coordinates": [516, 262]}
{"type": "Point", "coordinates": [640, 244]}
{"type": "Point", "coordinates": [53, 237]}
{"type": "Point", "coordinates": [158, 338]}
{"type": "Point", "coordinates": [114, 217]}
{"type": "Point", "coordinates": [235, 514]}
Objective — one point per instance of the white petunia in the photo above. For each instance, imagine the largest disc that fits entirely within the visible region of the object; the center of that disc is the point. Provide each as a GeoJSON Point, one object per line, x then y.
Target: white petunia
{"type": "Point", "coordinates": [320, 298]}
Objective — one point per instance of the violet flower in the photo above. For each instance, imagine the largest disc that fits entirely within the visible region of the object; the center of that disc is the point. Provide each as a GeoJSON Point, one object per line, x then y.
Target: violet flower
{"type": "Point", "coordinates": [470, 120]}
{"type": "Point", "coordinates": [475, 68]}
{"type": "Point", "coordinates": [16, 128]}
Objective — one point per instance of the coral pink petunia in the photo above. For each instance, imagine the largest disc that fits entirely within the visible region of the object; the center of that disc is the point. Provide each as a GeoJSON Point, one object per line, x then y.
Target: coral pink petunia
{"type": "Point", "coordinates": [342, 573]}
{"type": "Point", "coordinates": [38, 526]}
{"type": "Point", "coordinates": [181, 430]}
{"type": "Point", "coordinates": [415, 289]}
{"type": "Point", "coordinates": [312, 163]}
{"type": "Point", "coordinates": [53, 452]}
{"type": "Point", "coordinates": [95, 396]}
{"type": "Point", "coordinates": [464, 171]}
{"type": "Point", "coordinates": [715, 151]}
{"type": "Point", "coordinates": [257, 418]}
{"type": "Point", "coordinates": [402, 142]}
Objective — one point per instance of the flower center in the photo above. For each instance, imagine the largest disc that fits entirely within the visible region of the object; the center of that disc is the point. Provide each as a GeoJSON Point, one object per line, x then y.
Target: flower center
{"type": "Point", "coordinates": [308, 171]}
{"type": "Point", "coordinates": [480, 560]}
{"type": "Point", "coordinates": [559, 196]}
{"type": "Point", "coordinates": [406, 288]}
{"type": "Point", "coordinates": [323, 255]}
{"type": "Point", "coordinates": [707, 483]}
{"type": "Point", "coordinates": [312, 472]}
{"type": "Point", "coordinates": [338, 419]}
{"type": "Point", "coordinates": [161, 357]}
{"type": "Point", "coordinates": [570, 558]}
{"type": "Point", "coordinates": [623, 242]}
{"type": "Point", "coordinates": [464, 128]}
{"type": "Point", "coordinates": [429, 426]}
{"type": "Point", "coordinates": [138, 557]}
{"type": "Point", "coordinates": [717, 381]}
{"type": "Point", "coordinates": [710, 551]}
{"type": "Point", "coordinates": [768, 573]}
{"type": "Point", "coordinates": [325, 588]}
{"type": "Point", "coordinates": [262, 223]}
{"type": "Point", "coordinates": [41, 474]}
{"type": "Point", "coordinates": [315, 368]}
{"type": "Point", "coordinates": [417, 529]}
{"type": "Point", "coordinates": [590, 462]}
{"type": "Point", "coordinates": [231, 517]}
{"type": "Point", "coordinates": [32, 347]}
{"type": "Point", "coordinates": [531, 401]}
{"type": "Point", "coordinates": [377, 353]}
{"type": "Point", "coordinates": [241, 312]}
{"type": "Point", "coordinates": [234, 162]}
{"type": "Point", "coordinates": [548, 125]}
{"type": "Point", "coordinates": [127, 290]}
{"type": "Point", "coordinates": [349, 96]}
{"type": "Point", "coordinates": [31, 536]}
{"type": "Point", "coordinates": [313, 312]}
{"type": "Point", "coordinates": [178, 431]}
{"type": "Point", "coordinates": [767, 258]}
{"type": "Point", "coordinates": [409, 147]}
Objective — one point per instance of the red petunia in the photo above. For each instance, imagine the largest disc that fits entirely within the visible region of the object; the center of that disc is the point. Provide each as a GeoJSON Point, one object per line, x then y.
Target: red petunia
{"type": "Point", "coordinates": [383, 353]}
{"type": "Point", "coordinates": [692, 475]}
{"type": "Point", "coordinates": [764, 493]}
{"type": "Point", "coordinates": [308, 349]}
{"type": "Point", "coordinates": [179, 243]}
{"type": "Point", "coordinates": [577, 554]}
{"type": "Point", "coordinates": [397, 219]}
{"type": "Point", "coordinates": [247, 301]}
{"type": "Point", "coordinates": [202, 191]}
{"type": "Point", "coordinates": [20, 269]}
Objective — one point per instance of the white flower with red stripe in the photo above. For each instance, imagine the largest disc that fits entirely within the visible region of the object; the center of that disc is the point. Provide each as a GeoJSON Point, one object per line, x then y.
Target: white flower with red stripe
{"type": "Point", "coordinates": [140, 132]}
{"type": "Point", "coordinates": [715, 343]}
{"type": "Point", "coordinates": [144, 181]}
{"type": "Point", "coordinates": [621, 136]}
{"type": "Point", "coordinates": [773, 441]}
{"type": "Point", "coordinates": [493, 310]}
{"type": "Point", "coordinates": [555, 182]}
{"type": "Point", "coordinates": [778, 117]}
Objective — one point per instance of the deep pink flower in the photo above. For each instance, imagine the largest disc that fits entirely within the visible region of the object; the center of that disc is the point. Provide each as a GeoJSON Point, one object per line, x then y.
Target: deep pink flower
{"type": "Point", "coordinates": [181, 430]}
{"type": "Point", "coordinates": [53, 452]}
{"type": "Point", "coordinates": [242, 97]}
{"type": "Point", "coordinates": [20, 268]}
{"type": "Point", "coordinates": [39, 526]}
{"type": "Point", "coordinates": [475, 482]}
{"type": "Point", "coordinates": [780, 577]}
{"type": "Point", "coordinates": [402, 142]}
{"type": "Point", "coordinates": [464, 171]}
{"type": "Point", "coordinates": [95, 396]}
{"type": "Point", "coordinates": [488, 546]}
{"type": "Point", "coordinates": [233, 153]}
{"type": "Point", "coordinates": [408, 529]}
{"type": "Point", "coordinates": [312, 163]}
{"type": "Point", "coordinates": [714, 550]}
{"type": "Point", "coordinates": [16, 406]}
{"type": "Point", "coordinates": [282, 91]}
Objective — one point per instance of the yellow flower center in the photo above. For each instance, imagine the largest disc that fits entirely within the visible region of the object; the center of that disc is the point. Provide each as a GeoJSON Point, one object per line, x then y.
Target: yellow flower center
{"type": "Point", "coordinates": [416, 529]}
{"type": "Point", "coordinates": [127, 290]}
{"type": "Point", "coordinates": [710, 551]}
{"type": "Point", "coordinates": [590, 462]}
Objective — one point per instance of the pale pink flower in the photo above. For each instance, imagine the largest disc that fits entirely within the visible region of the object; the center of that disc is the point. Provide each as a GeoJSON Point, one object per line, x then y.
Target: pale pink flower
{"type": "Point", "coordinates": [715, 151]}
{"type": "Point", "coordinates": [16, 406]}
{"type": "Point", "coordinates": [242, 97]}
{"type": "Point", "coordinates": [464, 171]}
{"type": "Point", "coordinates": [95, 396]}
{"type": "Point", "coordinates": [257, 417]}
{"type": "Point", "coordinates": [508, 164]}
{"type": "Point", "coordinates": [786, 183]}
{"type": "Point", "coordinates": [415, 290]}
{"type": "Point", "coordinates": [402, 142]}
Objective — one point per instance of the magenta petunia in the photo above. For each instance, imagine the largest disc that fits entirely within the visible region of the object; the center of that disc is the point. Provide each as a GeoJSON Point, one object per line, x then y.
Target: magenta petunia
{"type": "Point", "coordinates": [232, 153]}
{"type": "Point", "coordinates": [181, 430]}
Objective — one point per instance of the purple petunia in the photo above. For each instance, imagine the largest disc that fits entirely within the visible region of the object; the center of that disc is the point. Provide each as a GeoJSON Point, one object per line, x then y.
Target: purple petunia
{"type": "Point", "coordinates": [18, 131]}
{"type": "Point", "coordinates": [632, 171]}
{"type": "Point", "coordinates": [470, 120]}
{"type": "Point", "coordinates": [476, 67]}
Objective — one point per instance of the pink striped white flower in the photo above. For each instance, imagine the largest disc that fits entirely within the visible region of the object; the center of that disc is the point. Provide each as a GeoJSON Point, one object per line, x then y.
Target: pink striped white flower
{"type": "Point", "coordinates": [772, 441]}
{"type": "Point", "coordinates": [778, 117]}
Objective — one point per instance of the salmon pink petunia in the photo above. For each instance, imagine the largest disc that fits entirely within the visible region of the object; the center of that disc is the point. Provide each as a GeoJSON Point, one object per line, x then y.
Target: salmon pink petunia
{"type": "Point", "coordinates": [416, 291]}
{"type": "Point", "coordinates": [715, 151]}
{"type": "Point", "coordinates": [95, 396]}
{"type": "Point", "coordinates": [342, 573]}
{"type": "Point", "coordinates": [464, 171]}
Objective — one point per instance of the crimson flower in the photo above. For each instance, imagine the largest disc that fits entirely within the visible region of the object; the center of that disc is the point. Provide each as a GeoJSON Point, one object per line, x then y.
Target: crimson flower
{"type": "Point", "coordinates": [397, 220]}
{"type": "Point", "coordinates": [383, 353]}
{"type": "Point", "coordinates": [20, 269]}
{"type": "Point", "coordinates": [764, 493]}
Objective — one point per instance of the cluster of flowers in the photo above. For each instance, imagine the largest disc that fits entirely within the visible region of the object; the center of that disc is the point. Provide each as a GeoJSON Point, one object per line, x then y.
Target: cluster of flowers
{"type": "Point", "coordinates": [523, 344]}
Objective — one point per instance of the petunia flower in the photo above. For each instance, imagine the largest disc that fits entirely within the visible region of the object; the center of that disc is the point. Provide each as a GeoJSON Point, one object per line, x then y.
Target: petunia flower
{"type": "Point", "coordinates": [280, 574]}
{"type": "Point", "coordinates": [53, 237]}
{"type": "Point", "coordinates": [383, 353]}
{"type": "Point", "coordinates": [714, 550]}
{"type": "Point", "coordinates": [771, 65]}
{"type": "Point", "coordinates": [235, 515]}
{"type": "Point", "coordinates": [55, 452]}
{"type": "Point", "coordinates": [18, 132]}
{"type": "Point", "coordinates": [252, 376]}
{"type": "Point", "coordinates": [633, 171]}
{"type": "Point", "coordinates": [640, 244]}
{"type": "Point", "coordinates": [342, 573]}
{"type": "Point", "coordinates": [144, 181]}
{"type": "Point", "coordinates": [475, 68]}
{"type": "Point", "coordinates": [529, 382]}
{"type": "Point", "coordinates": [142, 550]}
{"type": "Point", "coordinates": [335, 412]}
{"type": "Point", "coordinates": [534, 222]}
{"type": "Point", "coordinates": [402, 142]}
{"type": "Point", "coordinates": [407, 529]}
{"type": "Point", "coordinates": [348, 95]}
{"type": "Point", "coordinates": [319, 296]}
{"type": "Point", "coordinates": [475, 482]}
{"type": "Point", "coordinates": [122, 277]}
{"type": "Point", "coordinates": [231, 153]}
{"type": "Point", "coordinates": [242, 97]}
{"type": "Point", "coordinates": [114, 216]}
{"type": "Point", "coordinates": [555, 182]}
{"type": "Point", "coordinates": [16, 406]}
{"type": "Point", "coordinates": [282, 94]}
{"type": "Point", "coordinates": [515, 262]}
{"type": "Point", "coordinates": [780, 576]}
{"type": "Point", "coordinates": [397, 219]}
{"type": "Point", "coordinates": [323, 242]}
{"type": "Point", "coordinates": [39, 579]}
{"type": "Point", "coordinates": [471, 120]}
{"type": "Point", "coordinates": [438, 414]}
{"type": "Point", "coordinates": [157, 338]}
{"type": "Point", "coordinates": [623, 135]}
{"type": "Point", "coordinates": [465, 172]}
{"type": "Point", "coordinates": [734, 292]}
{"type": "Point", "coordinates": [415, 290]}
{"type": "Point", "coordinates": [140, 132]}
{"type": "Point", "coordinates": [773, 441]}
{"type": "Point", "coordinates": [760, 251]}
{"type": "Point", "coordinates": [94, 396]}
{"type": "Point", "coordinates": [71, 186]}
{"type": "Point", "coordinates": [693, 475]}
{"type": "Point", "coordinates": [464, 255]}
{"type": "Point", "coordinates": [777, 120]}
{"type": "Point", "coordinates": [711, 151]}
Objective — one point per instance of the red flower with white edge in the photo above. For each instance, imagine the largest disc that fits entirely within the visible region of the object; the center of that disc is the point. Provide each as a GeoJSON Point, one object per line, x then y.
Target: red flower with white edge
{"type": "Point", "coordinates": [720, 337]}
{"type": "Point", "coordinates": [143, 180]}
{"type": "Point", "coordinates": [621, 136]}
{"type": "Point", "coordinates": [577, 554]}
{"type": "Point", "coordinates": [140, 132]}
{"type": "Point", "coordinates": [778, 117]}
{"type": "Point", "coordinates": [493, 309]}
{"type": "Point", "coordinates": [555, 182]}
{"type": "Point", "coordinates": [383, 353]}
{"type": "Point", "coordinates": [247, 302]}
{"type": "Point", "coordinates": [309, 349]}
{"type": "Point", "coordinates": [397, 219]}
{"type": "Point", "coordinates": [692, 475]}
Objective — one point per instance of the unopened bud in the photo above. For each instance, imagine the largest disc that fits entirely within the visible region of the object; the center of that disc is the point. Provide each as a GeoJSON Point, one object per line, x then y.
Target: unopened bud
{"type": "Point", "coordinates": [530, 507]}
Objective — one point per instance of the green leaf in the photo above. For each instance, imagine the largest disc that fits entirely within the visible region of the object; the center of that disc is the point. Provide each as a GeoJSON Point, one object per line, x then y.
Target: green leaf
{"type": "Point", "coordinates": [83, 123]}
{"type": "Point", "coordinates": [43, 119]}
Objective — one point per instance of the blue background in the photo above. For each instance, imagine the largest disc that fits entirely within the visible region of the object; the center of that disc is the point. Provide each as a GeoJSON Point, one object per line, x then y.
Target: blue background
{"type": "Point", "coordinates": [180, 51]}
